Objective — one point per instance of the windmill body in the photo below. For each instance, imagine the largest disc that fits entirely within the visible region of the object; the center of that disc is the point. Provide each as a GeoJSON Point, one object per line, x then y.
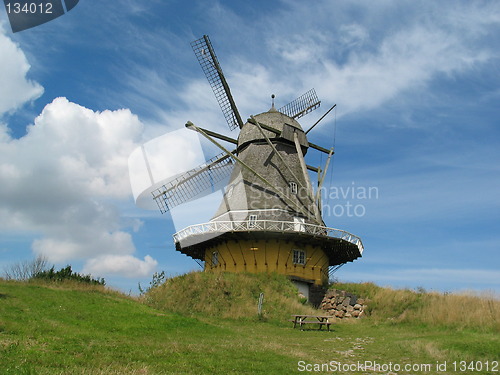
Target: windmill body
{"type": "Point", "coordinates": [246, 191]}
{"type": "Point", "coordinates": [269, 219]}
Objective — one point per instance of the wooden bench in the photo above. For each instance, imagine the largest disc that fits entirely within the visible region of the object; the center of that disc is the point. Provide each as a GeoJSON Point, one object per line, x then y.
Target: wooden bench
{"type": "Point", "coordinates": [321, 320]}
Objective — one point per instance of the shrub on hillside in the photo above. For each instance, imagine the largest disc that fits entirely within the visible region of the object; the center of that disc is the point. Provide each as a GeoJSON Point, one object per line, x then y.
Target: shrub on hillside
{"type": "Point", "coordinates": [67, 274]}
{"type": "Point", "coordinates": [157, 280]}
{"type": "Point", "coordinates": [37, 269]}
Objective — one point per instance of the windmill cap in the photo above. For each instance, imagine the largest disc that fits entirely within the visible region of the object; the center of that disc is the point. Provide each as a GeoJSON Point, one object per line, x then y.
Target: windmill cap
{"type": "Point", "coordinates": [282, 123]}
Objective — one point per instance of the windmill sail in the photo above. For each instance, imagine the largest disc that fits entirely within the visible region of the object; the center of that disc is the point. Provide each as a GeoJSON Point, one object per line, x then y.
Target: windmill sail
{"type": "Point", "coordinates": [211, 67]}
{"type": "Point", "coordinates": [302, 105]}
{"type": "Point", "coordinates": [205, 178]}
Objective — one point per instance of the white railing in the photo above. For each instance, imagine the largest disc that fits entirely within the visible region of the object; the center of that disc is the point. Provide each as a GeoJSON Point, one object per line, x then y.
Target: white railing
{"type": "Point", "coordinates": [267, 225]}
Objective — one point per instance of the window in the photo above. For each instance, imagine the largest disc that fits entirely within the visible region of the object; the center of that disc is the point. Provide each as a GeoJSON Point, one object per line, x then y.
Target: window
{"type": "Point", "coordinates": [299, 257]}
{"type": "Point", "coordinates": [252, 221]}
{"type": "Point", "coordinates": [215, 259]}
{"type": "Point", "coordinates": [298, 225]}
{"type": "Point", "coordinates": [293, 187]}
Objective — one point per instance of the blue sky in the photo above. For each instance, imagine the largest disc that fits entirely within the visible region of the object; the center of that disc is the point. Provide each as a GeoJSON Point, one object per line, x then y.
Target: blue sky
{"type": "Point", "coordinates": [417, 88]}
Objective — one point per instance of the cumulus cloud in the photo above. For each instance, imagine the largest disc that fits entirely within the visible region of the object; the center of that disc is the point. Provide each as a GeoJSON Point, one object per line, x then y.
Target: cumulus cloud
{"type": "Point", "coordinates": [15, 88]}
{"type": "Point", "coordinates": [93, 242]}
{"type": "Point", "coordinates": [157, 162]}
{"type": "Point", "coordinates": [59, 180]}
{"type": "Point", "coordinates": [123, 265]}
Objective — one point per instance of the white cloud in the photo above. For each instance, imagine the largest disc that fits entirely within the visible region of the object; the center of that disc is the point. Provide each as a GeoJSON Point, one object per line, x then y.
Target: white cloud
{"type": "Point", "coordinates": [353, 35]}
{"type": "Point", "coordinates": [301, 49]}
{"type": "Point", "coordinates": [69, 155]}
{"type": "Point", "coordinates": [405, 61]}
{"type": "Point", "coordinates": [15, 87]}
{"type": "Point", "coordinates": [90, 147]}
{"type": "Point", "coordinates": [354, 56]}
{"type": "Point", "coordinates": [75, 245]}
{"type": "Point", "coordinates": [60, 179]}
{"type": "Point", "coordinates": [160, 160]}
{"type": "Point", "coordinates": [123, 265]}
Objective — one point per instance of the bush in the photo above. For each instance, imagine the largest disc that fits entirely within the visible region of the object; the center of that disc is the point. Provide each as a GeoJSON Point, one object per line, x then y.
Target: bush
{"type": "Point", "coordinates": [67, 274]}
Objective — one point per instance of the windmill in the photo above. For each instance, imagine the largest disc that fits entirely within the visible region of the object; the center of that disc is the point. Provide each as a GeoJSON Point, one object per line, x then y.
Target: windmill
{"type": "Point", "coordinates": [269, 219]}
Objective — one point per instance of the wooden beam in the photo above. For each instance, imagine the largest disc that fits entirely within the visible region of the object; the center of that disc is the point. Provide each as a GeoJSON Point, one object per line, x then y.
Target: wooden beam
{"type": "Point", "coordinates": [306, 176]}
{"type": "Point", "coordinates": [220, 136]}
{"type": "Point", "coordinates": [321, 118]}
{"type": "Point", "coordinates": [314, 169]}
{"type": "Point", "coordinates": [322, 178]}
{"type": "Point", "coordinates": [264, 126]}
{"type": "Point", "coordinates": [319, 148]}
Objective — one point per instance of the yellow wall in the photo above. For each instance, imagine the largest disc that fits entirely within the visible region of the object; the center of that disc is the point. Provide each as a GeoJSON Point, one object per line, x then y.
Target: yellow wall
{"type": "Point", "coordinates": [269, 256]}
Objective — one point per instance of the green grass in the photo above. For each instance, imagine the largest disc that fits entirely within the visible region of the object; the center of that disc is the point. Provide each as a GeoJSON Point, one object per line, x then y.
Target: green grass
{"type": "Point", "coordinates": [453, 311]}
{"type": "Point", "coordinates": [75, 329]}
{"type": "Point", "coordinates": [228, 295]}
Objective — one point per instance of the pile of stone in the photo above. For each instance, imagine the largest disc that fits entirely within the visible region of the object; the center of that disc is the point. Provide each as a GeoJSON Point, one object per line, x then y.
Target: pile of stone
{"type": "Point", "coordinates": [342, 304]}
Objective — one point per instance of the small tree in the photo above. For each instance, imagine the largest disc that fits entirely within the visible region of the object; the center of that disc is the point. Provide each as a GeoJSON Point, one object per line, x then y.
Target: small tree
{"type": "Point", "coordinates": [158, 279]}
{"type": "Point", "coordinates": [26, 269]}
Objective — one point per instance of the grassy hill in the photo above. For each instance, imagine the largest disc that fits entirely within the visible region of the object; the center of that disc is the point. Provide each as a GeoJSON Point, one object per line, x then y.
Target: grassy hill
{"type": "Point", "coordinates": [228, 295]}
{"type": "Point", "coordinates": [454, 311]}
{"type": "Point", "coordinates": [208, 324]}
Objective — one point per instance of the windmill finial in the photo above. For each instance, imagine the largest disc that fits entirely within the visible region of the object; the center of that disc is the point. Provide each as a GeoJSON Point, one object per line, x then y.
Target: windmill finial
{"type": "Point", "coordinates": [272, 109]}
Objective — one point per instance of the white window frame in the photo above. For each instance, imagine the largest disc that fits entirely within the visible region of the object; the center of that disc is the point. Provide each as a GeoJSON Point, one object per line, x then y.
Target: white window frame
{"type": "Point", "coordinates": [293, 187]}
{"type": "Point", "coordinates": [299, 257]}
{"type": "Point", "coordinates": [215, 259]}
{"type": "Point", "coordinates": [252, 221]}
